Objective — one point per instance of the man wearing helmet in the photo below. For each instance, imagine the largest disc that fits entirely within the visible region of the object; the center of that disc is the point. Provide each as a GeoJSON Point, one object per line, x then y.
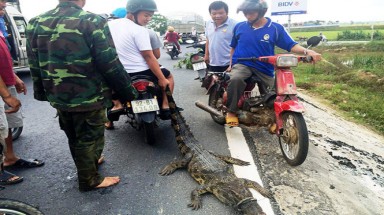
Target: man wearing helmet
{"type": "Point", "coordinates": [133, 45]}
{"type": "Point", "coordinates": [256, 37]}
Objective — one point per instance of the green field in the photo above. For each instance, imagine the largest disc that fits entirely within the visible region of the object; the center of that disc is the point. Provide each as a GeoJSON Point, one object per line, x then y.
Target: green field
{"type": "Point", "coordinates": [332, 32]}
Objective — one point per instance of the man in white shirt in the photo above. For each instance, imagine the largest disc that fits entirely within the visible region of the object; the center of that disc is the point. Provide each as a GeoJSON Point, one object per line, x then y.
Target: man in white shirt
{"type": "Point", "coordinates": [134, 48]}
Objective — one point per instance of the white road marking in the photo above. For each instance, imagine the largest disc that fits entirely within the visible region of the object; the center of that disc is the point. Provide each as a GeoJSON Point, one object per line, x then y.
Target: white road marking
{"type": "Point", "coordinates": [239, 149]}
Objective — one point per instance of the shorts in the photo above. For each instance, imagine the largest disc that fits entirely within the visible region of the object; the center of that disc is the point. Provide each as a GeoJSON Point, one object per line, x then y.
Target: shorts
{"type": "Point", "coordinates": [3, 122]}
{"type": "Point", "coordinates": [14, 120]}
{"type": "Point", "coordinates": [149, 73]}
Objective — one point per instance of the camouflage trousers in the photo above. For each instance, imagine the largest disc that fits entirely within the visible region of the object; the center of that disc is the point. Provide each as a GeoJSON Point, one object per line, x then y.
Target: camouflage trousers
{"type": "Point", "coordinates": [85, 132]}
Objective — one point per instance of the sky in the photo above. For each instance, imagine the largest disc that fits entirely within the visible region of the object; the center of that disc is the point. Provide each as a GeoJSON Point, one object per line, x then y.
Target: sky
{"type": "Point", "coordinates": [327, 10]}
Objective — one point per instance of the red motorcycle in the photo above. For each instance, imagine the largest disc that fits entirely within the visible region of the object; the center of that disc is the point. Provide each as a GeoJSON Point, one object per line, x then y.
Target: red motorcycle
{"type": "Point", "coordinates": [279, 109]}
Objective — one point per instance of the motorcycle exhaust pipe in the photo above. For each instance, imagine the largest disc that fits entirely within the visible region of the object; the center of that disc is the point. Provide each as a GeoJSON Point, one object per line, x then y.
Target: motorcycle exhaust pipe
{"type": "Point", "coordinates": [208, 109]}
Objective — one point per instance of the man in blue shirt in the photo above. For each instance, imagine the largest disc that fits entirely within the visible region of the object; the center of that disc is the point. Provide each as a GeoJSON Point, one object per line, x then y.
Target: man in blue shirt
{"type": "Point", "coordinates": [256, 37]}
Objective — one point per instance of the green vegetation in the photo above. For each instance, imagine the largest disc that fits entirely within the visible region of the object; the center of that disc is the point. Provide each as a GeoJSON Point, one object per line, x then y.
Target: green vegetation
{"type": "Point", "coordinates": [351, 78]}
{"type": "Point", "coordinates": [362, 32]}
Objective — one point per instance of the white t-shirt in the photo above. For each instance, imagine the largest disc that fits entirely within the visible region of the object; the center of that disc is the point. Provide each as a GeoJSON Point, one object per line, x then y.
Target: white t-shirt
{"type": "Point", "coordinates": [130, 39]}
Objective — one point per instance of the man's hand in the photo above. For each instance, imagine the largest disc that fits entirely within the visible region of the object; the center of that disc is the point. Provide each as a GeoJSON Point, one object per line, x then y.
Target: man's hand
{"type": "Point", "coordinates": [13, 102]}
{"type": "Point", "coordinates": [20, 86]}
{"type": "Point", "coordinates": [315, 56]}
{"type": "Point", "coordinates": [206, 59]}
{"type": "Point", "coordinates": [163, 83]}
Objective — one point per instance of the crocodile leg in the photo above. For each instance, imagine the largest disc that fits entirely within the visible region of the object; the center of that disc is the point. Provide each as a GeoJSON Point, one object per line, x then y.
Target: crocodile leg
{"type": "Point", "coordinates": [195, 197]}
{"type": "Point", "coordinates": [257, 187]}
{"type": "Point", "coordinates": [174, 165]}
{"type": "Point", "coordinates": [231, 160]}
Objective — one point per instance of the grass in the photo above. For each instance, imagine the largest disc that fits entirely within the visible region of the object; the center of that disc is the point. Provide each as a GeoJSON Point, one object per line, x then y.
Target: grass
{"type": "Point", "coordinates": [332, 32]}
{"type": "Point", "coordinates": [351, 79]}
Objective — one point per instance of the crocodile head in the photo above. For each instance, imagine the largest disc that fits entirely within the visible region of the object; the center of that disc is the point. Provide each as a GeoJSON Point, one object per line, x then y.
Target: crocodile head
{"type": "Point", "coordinates": [249, 206]}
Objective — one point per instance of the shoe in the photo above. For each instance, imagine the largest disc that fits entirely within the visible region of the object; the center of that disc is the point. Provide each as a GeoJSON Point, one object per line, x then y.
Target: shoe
{"type": "Point", "coordinates": [5, 178]}
{"type": "Point", "coordinates": [25, 164]}
{"type": "Point", "coordinates": [114, 115]}
{"type": "Point", "coordinates": [165, 114]}
{"type": "Point", "coordinates": [232, 121]}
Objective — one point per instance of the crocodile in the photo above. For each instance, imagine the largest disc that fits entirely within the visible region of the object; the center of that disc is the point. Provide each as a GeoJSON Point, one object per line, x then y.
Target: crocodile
{"type": "Point", "coordinates": [213, 172]}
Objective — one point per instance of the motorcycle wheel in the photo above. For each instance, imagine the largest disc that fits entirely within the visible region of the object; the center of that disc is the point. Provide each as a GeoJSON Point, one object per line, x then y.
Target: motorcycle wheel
{"type": "Point", "coordinates": [172, 56]}
{"type": "Point", "coordinates": [13, 207]}
{"type": "Point", "coordinates": [214, 96]}
{"type": "Point", "coordinates": [294, 138]}
{"type": "Point", "coordinates": [149, 133]}
{"type": "Point", "coordinates": [16, 132]}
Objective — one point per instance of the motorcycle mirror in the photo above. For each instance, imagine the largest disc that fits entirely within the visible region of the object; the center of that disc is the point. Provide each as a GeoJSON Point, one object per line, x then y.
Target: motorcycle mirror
{"type": "Point", "coordinates": [313, 41]}
{"type": "Point", "coordinates": [189, 41]}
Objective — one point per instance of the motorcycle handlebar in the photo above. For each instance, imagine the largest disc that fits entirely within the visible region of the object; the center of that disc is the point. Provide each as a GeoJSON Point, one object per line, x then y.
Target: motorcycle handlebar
{"type": "Point", "coordinates": [247, 59]}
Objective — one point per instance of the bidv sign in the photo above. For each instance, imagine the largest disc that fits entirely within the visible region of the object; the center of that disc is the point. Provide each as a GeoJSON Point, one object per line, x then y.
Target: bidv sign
{"type": "Point", "coordinates": [281, 7]}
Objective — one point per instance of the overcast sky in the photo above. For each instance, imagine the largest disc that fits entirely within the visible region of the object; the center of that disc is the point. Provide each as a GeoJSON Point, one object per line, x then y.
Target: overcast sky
{"type": "Point", "coordinates": [327, 10]}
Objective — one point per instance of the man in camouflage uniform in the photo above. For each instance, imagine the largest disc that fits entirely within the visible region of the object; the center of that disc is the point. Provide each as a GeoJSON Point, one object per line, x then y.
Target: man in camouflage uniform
{"type": "Point", "coordinates": [73, 63]}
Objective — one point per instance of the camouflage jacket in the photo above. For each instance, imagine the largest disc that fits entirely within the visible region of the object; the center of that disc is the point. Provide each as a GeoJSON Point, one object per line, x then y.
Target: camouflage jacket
{"type": "Point", "coordinates": [73, 60]}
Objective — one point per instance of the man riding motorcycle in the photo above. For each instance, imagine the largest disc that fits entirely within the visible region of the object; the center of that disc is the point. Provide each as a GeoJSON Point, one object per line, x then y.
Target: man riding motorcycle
{"type": "Point", "coordinates": [134, 48]}
{"type": "Point", "coordinates": [259, 36]}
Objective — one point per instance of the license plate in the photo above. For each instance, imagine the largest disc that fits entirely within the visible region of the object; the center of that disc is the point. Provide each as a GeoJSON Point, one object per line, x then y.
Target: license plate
{"type": "Point", "coordinates": [199, 66]}
{"type": "Point", "coordinates": [145, 105]}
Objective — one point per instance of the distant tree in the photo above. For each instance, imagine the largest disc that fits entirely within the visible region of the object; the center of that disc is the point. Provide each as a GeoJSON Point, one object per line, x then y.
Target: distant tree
{"type": "Point", "coordinates": [158, 23]}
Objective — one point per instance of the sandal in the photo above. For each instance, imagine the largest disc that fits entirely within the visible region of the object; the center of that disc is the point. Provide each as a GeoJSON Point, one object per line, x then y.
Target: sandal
{"type": "Point", "coordinates": [7, 178]}
{"type": "Point", "coordinates": [232, 121]}
{"type": "Point", "coordinates": [22, 164]}
{"type": "Point", "coordinates": [114, 115]}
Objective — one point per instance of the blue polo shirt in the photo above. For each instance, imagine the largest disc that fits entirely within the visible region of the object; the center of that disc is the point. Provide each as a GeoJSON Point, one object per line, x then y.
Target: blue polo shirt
{"type": "Point", "coordinates": [219, 38]}
{"type": "Point", "coordinates": [256, 42]}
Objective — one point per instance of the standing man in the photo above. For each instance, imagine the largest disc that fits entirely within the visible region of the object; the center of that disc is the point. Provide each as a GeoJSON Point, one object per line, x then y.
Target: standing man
{"type": "Point", "coordinates": [6, 177]}
{"type": "Point", "coordinates": [219, 33]}
{"type": "Point", "coordinates": [14, 118]}
{"type": "Point", "coordinates": [73, 65]}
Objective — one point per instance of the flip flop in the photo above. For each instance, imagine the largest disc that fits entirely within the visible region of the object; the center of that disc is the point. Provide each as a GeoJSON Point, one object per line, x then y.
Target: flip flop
{"type": "Point", "coordinates": [21, 163]}
{"type": "Point", "coordinates": [114, 115]}
{"type": "Point", "coordinates": [6, 178]}
{"type": "Point", "coordinates": [232, 121]}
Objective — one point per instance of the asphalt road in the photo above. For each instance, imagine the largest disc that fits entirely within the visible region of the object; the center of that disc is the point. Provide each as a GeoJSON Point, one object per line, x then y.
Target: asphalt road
{"type": "Point", "coordinates": [53, 187]}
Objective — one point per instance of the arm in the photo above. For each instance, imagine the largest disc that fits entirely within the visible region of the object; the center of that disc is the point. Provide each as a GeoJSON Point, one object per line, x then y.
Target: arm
{"type": "Point", "coordinates": [20, 85]}
{"type": "Point", "coordinates": [156, 53]}
{"type": "Point", "coordinates": [154, 67]}
{"type": "Point", "coordinates": [301, 50]}
{"type": "Point", "coordinates": [230, 59]}
{"type": "Point", "coordinates": [13, 102]}
{"type": "Point", "coordinates": [38, 89]}
{"type": "Point", "coordinates": [206, 56]}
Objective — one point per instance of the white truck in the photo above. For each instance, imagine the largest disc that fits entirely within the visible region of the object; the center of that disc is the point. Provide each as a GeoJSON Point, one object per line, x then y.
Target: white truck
{"type": "Point", "coordinates": [16, 26]}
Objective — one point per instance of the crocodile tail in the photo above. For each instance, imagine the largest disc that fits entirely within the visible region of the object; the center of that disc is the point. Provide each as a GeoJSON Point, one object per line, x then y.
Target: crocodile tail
{"type": "Point", "coordinates": [182, 130]}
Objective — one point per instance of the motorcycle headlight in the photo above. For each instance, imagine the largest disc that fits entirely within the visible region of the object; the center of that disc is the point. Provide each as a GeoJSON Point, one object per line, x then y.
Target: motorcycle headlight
{"type": "Point", "coordinates": [287, 61]}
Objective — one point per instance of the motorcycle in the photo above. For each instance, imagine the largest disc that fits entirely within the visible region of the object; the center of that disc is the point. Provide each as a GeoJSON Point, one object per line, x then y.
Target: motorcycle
{"type": "Point", "coordinates": [279, 109]}
{"type": "Point", "coordinates": [172, 50]}
{"type": "Point", "coordinates": [197, 59]}
{"type": "Point", "coordinates": [143, 112]}
{"type": "Point", "coordinates": [16, 132]}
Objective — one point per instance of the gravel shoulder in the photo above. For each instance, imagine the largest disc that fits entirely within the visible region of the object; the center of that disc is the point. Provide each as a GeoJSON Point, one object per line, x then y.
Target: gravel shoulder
{"type": "Point", "coordinates": [343, 173]}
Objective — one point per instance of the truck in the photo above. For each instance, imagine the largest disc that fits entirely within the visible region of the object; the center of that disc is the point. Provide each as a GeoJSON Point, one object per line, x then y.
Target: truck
{"type": "Point", "coordinates": [16, 25]}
